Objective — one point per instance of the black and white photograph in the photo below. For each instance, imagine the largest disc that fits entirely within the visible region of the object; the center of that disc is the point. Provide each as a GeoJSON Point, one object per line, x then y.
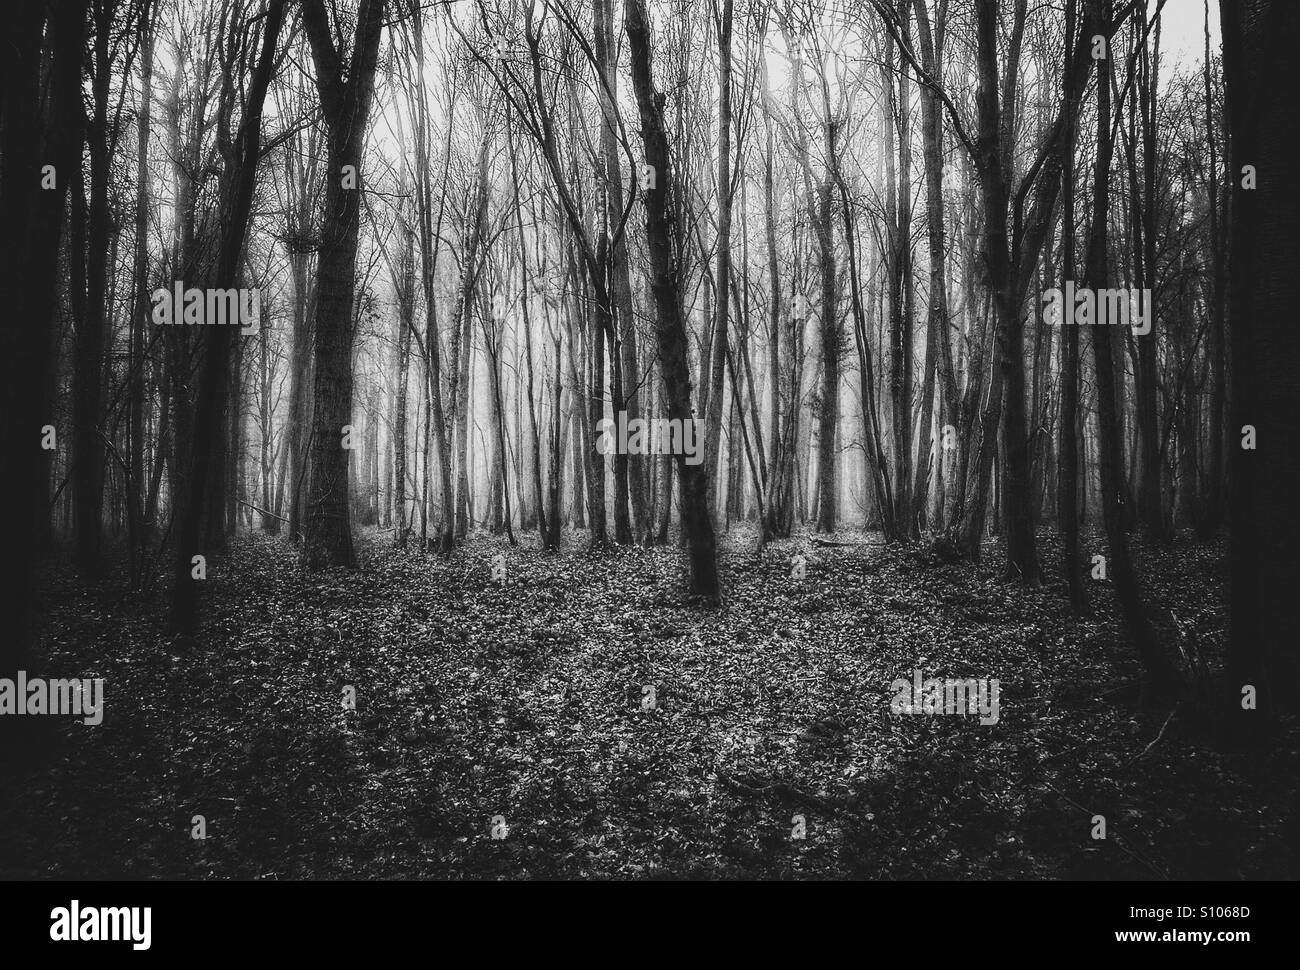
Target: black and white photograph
{"type": "Point", "coordinates": [650, 441]}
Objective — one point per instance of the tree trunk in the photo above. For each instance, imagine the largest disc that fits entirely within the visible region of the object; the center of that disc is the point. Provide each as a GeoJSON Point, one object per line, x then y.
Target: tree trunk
{"type": "Point", "coordinates": [1212, 514]}
{"type": "Point", "coordinates": [346, 107]}
{"type": "Point", "coordinates": [1161, 680]}
{"type": "Point", "coordinates": [1067, 507]}
{"type": "Point", "coordinates": [29, 264]}
{"type": "Point", "coordinates": [1263, 125]}
{"type": "Point", "coordinates": [238, 183]}
{"type": "Point", "coordinates": [136, 391]}
{"type": "Point", "coordinates": [669, 326]}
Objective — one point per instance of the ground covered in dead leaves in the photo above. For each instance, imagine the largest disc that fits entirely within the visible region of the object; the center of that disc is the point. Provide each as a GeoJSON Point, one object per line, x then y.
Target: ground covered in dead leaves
{"type": "Point", "coordinates": [521, 707]}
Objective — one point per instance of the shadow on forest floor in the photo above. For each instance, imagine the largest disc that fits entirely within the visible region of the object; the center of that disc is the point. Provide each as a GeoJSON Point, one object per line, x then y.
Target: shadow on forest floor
{"type": "Point", "coordinates": [522, 702]}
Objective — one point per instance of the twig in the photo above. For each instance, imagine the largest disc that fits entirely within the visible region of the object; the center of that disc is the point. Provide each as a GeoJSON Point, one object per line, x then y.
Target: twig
{"type": "Point", "coordinates": [1157, 738]}
{"type": "Point", "coordinates": [263, 511]}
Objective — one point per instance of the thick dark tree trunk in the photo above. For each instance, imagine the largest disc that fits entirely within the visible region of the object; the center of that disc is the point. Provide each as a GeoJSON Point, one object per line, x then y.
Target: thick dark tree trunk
{"type": "Point", "coordinates": [669, 326]}
{"type": "Point", "coordinates": [32, 136]}
{"type": "Point", "coordinates": [1264, 132]}
{"type": "Point", "coordinates": [1022, 558]}
{"type": "Point", "coordinates": [346, 105]}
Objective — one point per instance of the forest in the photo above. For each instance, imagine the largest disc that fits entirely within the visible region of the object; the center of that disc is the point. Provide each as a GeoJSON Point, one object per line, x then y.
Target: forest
{"type": "Point", "coordinates": [572, 439]}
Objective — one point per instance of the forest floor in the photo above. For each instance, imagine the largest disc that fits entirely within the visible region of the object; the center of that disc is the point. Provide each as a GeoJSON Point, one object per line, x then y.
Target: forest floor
{"type": "Point", "coordinates": [519, 706]}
